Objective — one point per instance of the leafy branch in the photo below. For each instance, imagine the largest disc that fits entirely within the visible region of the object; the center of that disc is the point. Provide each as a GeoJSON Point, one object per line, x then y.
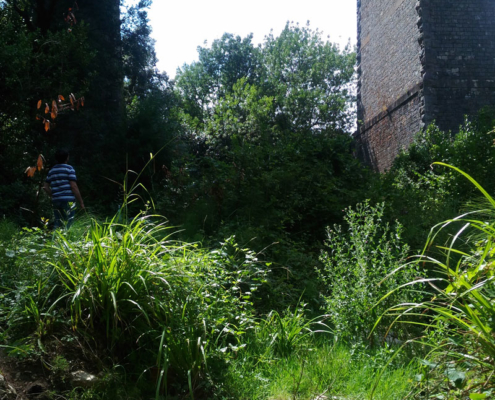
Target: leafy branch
{"type": "Point", "coordinates": [56, 109]}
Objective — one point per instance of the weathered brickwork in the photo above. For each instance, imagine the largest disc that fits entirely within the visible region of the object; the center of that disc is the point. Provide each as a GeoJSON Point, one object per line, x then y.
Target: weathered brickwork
{"type": "Point", "coordinates": [389, 69]}
{"type": "Point", "coordinates": [419, 62]}
{"type": "Point", "coordinates": [458, 59]}
{"type": "Point", "coordinates": [388, 53]}
{"type": "Point", "coordinates": [380, 143]}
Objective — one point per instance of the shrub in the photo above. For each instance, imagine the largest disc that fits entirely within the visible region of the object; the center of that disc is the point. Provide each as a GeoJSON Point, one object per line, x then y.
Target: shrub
{"type": "Point", "coordinates": [129, 291]}
{"type": "Point", "coordinates": [462, 309]}
{"type": "Point", "coordinates": [412, 187]}
{"type": "Point", "coordinates": [355, 267]}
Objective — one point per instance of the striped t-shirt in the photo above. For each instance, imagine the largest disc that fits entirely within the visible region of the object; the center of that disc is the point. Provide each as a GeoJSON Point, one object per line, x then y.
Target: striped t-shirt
{"type": "Point", "coordinates": [59, 179]}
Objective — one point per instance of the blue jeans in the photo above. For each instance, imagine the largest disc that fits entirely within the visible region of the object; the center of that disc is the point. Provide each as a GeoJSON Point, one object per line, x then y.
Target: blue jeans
{"type": "Point", "coordinates": [63, 212]}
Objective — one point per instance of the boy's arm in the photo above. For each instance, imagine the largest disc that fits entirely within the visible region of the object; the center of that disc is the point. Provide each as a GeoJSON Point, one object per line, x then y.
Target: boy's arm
{"type": "Point", "coordinates": [47, 189]}
{"type": "Point", "coordinates": [75, 190]}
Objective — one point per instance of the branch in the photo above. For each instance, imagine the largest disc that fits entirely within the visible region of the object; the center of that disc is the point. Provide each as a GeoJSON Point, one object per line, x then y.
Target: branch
{"type": "Point", "coordinates": [23, 14]}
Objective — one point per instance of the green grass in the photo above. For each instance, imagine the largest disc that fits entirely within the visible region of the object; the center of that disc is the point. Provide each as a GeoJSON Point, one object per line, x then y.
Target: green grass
{"type": "Point", "coordinates": [458, 313]}
{"type": "Point", "coordinates": [142, 299]}
{"type": "Point", "coordinates": [329, 370]}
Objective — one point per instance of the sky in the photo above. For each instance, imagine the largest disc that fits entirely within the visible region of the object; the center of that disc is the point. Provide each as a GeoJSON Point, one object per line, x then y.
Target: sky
{"type": "Point", "coordinates": [180, 26]}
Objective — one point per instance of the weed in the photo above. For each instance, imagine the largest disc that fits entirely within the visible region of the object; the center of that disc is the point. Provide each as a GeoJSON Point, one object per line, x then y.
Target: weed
{"type": "Point", "coordinates": [355, 266]}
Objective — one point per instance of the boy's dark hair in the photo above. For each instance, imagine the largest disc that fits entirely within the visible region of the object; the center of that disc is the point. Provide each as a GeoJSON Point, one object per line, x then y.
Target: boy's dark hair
{"type": "Point", "coordinates": [61, 156]}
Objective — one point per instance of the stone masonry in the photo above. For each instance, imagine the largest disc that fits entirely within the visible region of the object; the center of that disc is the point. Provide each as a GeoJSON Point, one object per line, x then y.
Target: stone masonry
{"type": "Point", "coordinates": [420, 62]}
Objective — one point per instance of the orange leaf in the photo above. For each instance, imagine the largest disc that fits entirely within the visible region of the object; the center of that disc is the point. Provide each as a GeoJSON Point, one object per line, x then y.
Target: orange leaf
{"type": "Point", "coordinates": [71, 98]}
{"type": "Point", "coordinates": [47, 108]}
{"type": "Point", "coordinates": [40, 162]}
{"type": "Point", "coordinates": [47, 125]}
{"type": "Point", "coordinates": [39, 104]}
{"type": "Point", "coordinates": [38, 118]}
{"type": "Point", "coordinates": [30, 171]}
{"type": "Point", "coordinates": [82, 101]}
{"type": "Point", "coordinates": [54, 105]}
{"type": "Point", "coordinates": [61, 98]}
{"type": "Point", "coordinates": [53, 114]}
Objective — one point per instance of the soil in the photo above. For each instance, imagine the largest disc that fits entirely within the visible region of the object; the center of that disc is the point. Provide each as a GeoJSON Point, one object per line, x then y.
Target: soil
{"type": "Point", "coordinates": [36, 378]}
{"type": "Point", "coordinates": [28, 378]}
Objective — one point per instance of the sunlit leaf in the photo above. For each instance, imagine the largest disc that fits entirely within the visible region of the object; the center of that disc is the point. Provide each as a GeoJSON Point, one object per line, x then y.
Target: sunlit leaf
{"type": "Point", "coordinates": [61, 98]}
{"type": "Point", "coordinates": [39, 104]}
{"type": "Point", "coordinates": [47, 108]}
{"type": "Point", "coordinates": [40, 162]}
{"type": "Point", "coordinates": [47, 125]}
{"type": "Point", "coordinates": [82, 101]}
{"type": "Point", "coordinates": [30, 171]}
{"type": "Point", "coordinates": [478, 396]}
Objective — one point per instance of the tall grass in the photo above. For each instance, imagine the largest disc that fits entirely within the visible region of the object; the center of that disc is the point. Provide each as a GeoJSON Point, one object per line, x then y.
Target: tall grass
{"type": "Point", "coordinates": [111, 274]}
{"type": "Point", "coordinates": [459, 315]}
{"type": "Point", "coordinates": [327, 370]}
{"type": "Point", "coordinates": [130, 291]}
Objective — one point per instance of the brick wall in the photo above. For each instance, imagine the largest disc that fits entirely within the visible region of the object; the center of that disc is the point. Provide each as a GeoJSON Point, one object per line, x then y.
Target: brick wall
{"type": "Point", "coordinates": [379, 144]}
{"type": "Point", "coordinates": [458, 59]}
{"type": "Point", "coordinates": [389, 70]}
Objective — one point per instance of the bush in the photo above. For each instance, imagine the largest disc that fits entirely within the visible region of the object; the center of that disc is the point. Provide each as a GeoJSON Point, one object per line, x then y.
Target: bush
{"type": "Point", "coordinates": [414, 187]}
{"type": "Point", "coordinates": [462, 309]}
{"type": "Point", "coordinates": [356, 269]}
{"type": "Point", "coordinates": [133, 294]}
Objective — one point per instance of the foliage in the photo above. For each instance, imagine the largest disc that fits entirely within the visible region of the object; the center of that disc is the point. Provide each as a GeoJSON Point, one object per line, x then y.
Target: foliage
{"type": "Point", "coordinates": [307, 77]}
{"type": "Point", "coordinates": [461, 305]}
{"type": "Point", "coordinates": [310, 80]}
{"type": "Point", "coordinates": [125, 286]}
{"type": "Point", "coordinates": [265, 152]}
{"type": "Point", "coordinates": [34, 64]}
{"type": "Point", "coordinates": [412, 187]}
{"type": "Point", "coordinates": [356, 270]}
{"type": "Point", "coordinates": [328, 370]}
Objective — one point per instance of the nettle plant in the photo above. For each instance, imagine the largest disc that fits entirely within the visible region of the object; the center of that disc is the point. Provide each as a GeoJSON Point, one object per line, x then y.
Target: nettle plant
{"type": "Point", "coordinates": [357, 271]}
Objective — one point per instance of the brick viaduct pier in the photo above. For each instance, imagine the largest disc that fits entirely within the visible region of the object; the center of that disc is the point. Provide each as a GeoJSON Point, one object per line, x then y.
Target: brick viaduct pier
{"type": "Point", "coordinates": [419, 62]}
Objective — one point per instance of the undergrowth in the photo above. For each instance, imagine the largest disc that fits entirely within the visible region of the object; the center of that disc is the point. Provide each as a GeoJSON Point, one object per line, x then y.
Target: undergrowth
{"type": "Point", "coordinates": [159, 318]}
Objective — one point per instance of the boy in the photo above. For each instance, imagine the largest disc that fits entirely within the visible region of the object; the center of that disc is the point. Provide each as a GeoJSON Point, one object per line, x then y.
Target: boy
{"type": "Point", "coordinates": [61, 186]}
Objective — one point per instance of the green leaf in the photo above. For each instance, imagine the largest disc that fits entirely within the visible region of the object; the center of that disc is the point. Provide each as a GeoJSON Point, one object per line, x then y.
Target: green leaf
{"type": "Point", "coordinates": [477, 396]}
{"type": "Point", "coordinates": [457, 377]}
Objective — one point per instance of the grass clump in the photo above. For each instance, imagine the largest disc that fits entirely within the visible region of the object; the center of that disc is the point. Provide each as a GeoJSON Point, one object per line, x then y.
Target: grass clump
{"type": "Point", "coordinates": [162, 309]}
{"type": "Point", "coordinates": [459, 311]}
{"type": "Point", "coordinates": [326, 370]}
